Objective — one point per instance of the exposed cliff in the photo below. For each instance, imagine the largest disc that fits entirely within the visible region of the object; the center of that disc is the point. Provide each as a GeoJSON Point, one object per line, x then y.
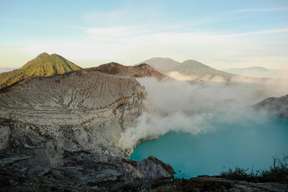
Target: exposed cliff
{"type": "Point", "coordinates": [84, 110]}
{"type": "Point", "coordinates": [61, 133]}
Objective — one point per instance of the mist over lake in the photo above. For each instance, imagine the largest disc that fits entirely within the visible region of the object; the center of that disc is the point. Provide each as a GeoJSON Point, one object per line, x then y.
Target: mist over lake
{"type": "Point", "coordinates": [208, 129]}
{"type": "Point", "coordinates": [247, 144]}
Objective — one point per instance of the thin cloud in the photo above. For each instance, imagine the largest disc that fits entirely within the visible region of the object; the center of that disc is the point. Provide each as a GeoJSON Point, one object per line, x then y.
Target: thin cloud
{"type": "Point", "coordinates": [262, 32]}
{"type": "Point", "coordinates": [262, 10]}
{"type": "Point", "coordinates": [131, 45]}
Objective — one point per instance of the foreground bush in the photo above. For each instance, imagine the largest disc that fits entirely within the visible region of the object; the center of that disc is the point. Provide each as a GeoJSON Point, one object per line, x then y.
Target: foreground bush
{"type": "Point", "coordinates": [278, 172]}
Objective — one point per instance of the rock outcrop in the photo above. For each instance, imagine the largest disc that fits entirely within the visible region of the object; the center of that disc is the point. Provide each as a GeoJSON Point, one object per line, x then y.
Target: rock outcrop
{"type": "Point", "coordinates": [83, 171]}
{"type": "Point", "coordinates": [80, 171]}
{"type": "Point", "coordinates": [84, 110]}
{"type": "Point", "coordinates": [137, 71]}
{"type": "Point", "coordinates": [61, 133]}
{"type": "Point", "coordinates": [275, 105]}
{"type": "Point", "coordinates": [43, 65]}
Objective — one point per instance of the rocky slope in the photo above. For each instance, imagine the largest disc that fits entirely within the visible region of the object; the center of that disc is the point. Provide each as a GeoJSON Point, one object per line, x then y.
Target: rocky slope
{"type": "Point", "coordinates": [82, 109]}
{"type": "Point", "coordinates": [137, 71]}
{"type": "Point", "coordinates": [61, 133]}
{"type": "Point", "coordinates": [43, 65]}
{"type": "Point", "coordinates": [277, 106]}
{"type": "Point", "coordinates": [79, 171]}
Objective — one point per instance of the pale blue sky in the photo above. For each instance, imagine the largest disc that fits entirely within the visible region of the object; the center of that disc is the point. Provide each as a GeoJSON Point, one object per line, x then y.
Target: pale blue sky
{"type": "Point", "coordinates": [221, 33]}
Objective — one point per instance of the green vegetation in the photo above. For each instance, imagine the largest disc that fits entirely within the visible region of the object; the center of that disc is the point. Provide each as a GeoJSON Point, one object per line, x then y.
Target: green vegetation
{"type": "Point", "coordinates": [278, 172]}
{"type": "Point", "coordinates": [42, 66]}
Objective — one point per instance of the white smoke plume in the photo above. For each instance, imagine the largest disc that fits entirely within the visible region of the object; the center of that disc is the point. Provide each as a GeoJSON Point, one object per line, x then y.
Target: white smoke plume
{"type": "Point", "coordinates": [183, 106]}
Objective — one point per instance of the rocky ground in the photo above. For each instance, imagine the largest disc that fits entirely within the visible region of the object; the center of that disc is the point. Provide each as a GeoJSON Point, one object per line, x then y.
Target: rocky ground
{"type": "Point", "coordinates": [83, 171]}
{"type": "Point", "coordinates": [80, 110]}
{"type": "Point", "coordinates": [216, 184]}
{"type": "Point", "coordinates": [61, 133]}
{"type": "Point", "coordinates": [79, 171]}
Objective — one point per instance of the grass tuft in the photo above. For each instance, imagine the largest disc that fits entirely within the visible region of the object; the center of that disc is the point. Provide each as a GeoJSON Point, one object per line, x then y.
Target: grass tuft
{"type": "Point", "coordinates": [278, 172]}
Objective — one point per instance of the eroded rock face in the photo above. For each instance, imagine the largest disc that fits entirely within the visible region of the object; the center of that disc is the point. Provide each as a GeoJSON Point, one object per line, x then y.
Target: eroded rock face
{"type": "Point", "coordinates": [80, 171]}
{"type": "Point", "coordinates": [61, 134]}
{"type": "Point", "coordinates": [80, 111]}
{"type": "Point", "coordinates": [4, 136]}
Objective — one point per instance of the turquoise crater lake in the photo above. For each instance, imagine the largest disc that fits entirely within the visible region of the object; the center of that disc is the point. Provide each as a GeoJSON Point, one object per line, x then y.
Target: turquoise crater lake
{"type": "Point", "coordinates": [249, 145]}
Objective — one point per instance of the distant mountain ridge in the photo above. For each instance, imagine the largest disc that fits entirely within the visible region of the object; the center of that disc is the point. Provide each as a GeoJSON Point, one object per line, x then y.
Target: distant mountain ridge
{"type": "Point", "coordinates": [43, 65]}
{"type": "Point", "coordinates": [163, 64]}
{"type": "Point", "coordinates": [141, 70]}
{"type": "Point", "coordinates": [46, 65]}
{"type": "Point", "coordinates": [191, 69]}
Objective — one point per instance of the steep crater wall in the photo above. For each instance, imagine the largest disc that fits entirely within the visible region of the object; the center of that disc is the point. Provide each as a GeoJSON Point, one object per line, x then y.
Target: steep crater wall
{"type": "Point", "coordinates": [84, 110]}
